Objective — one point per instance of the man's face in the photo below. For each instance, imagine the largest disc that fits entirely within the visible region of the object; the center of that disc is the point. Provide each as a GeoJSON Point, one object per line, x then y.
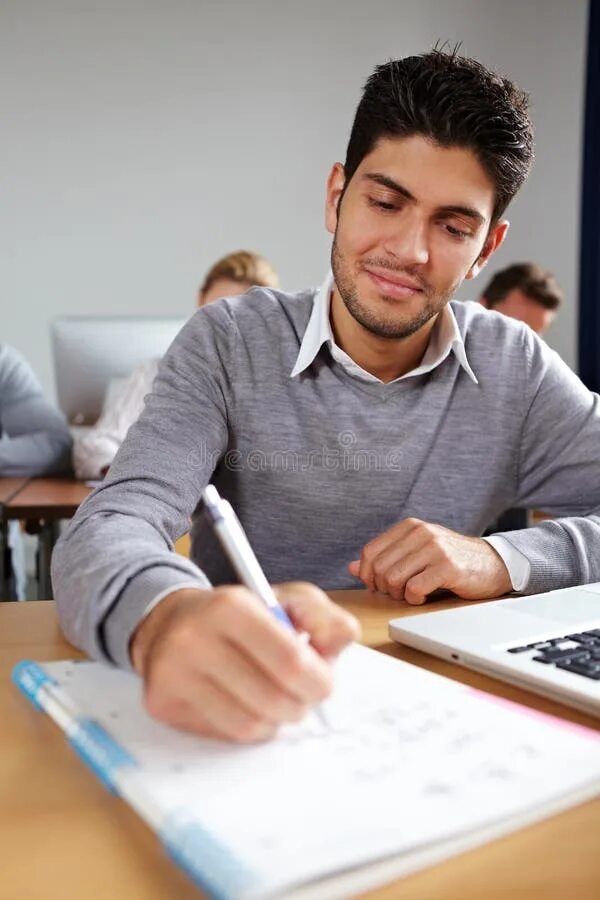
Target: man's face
{"type": "Point", "coordinates": [518, 305]}
{"type": "Point", "coordinates": [411, 225]}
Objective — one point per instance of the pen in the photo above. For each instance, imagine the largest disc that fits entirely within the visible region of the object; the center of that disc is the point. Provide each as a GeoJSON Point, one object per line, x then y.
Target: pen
{"type": "Point", "coordinates": [236, 545]}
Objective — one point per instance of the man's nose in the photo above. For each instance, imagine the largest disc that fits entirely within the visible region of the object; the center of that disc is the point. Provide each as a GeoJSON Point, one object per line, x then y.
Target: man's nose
{"type": "Point", "coordinates": [408, 240]}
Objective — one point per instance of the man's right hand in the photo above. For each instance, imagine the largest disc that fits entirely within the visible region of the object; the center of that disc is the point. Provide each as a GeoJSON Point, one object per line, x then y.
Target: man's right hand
{"type": "Point", "coordinates": [216, 662]}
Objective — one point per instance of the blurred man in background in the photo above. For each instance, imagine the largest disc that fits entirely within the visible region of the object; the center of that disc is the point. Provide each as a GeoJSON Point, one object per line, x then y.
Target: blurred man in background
{"type": "Point", "coordinates": [526, 292]}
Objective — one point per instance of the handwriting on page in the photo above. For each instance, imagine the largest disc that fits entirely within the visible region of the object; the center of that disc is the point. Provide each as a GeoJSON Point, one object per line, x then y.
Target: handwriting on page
{"type": "Point", "coordinates": [408, 735]}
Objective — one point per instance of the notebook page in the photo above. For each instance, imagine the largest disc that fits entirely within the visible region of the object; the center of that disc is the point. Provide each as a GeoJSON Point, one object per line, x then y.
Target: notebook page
{"type": "Point", "coordinates": [409, 759]}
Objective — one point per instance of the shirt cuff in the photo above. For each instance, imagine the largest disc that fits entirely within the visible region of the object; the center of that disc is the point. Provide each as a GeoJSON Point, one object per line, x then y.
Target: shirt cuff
{"type": "Point", "coordinates": [519, 567]}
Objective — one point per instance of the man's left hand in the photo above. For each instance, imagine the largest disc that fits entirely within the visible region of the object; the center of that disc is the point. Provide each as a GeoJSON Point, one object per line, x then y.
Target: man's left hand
{"type": "Point", "coordinates": [413, 558]}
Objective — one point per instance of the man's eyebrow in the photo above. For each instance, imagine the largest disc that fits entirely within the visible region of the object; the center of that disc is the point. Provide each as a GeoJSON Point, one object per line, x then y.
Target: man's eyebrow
{"type": "Point", "coordinates": [387, 182]}
{"type": "Point", "coordinates": [452, 209]}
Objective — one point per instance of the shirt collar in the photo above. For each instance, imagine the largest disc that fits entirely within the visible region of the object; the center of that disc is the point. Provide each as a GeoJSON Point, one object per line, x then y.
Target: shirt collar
{"type": "Point", "coordinates": [445, 338]}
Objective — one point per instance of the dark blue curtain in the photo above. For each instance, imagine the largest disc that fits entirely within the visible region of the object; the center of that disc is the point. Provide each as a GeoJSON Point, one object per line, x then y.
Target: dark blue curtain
{"type": "Point", "coordinates": [589, 283]}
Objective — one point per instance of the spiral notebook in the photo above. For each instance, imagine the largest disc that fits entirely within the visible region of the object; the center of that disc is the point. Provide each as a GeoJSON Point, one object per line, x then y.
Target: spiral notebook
{"type": "Point", "coordinates": [410, 768]}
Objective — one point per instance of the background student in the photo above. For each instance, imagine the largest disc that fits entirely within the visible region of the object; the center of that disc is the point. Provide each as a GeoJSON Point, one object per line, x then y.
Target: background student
{"type": "Point", "coordinates": [530, 294]}
{"type": "Point", "coordinates": [93, 452]}
{"type": "Point", "coordinates": [34, 440]}
{"type": "Point", "coordinates": [525, 292]}
{"type": "Point", "coordinates": [34, 437]}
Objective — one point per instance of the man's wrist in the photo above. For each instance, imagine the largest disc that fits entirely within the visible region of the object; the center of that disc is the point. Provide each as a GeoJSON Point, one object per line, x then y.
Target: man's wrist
{"type": "Point", "coordinates": [154, 622]}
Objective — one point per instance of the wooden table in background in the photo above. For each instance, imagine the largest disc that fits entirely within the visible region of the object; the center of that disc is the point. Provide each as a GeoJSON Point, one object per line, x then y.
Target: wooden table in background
{"type": "Point", "coordinates": [63, 835]}
{"type": "Point", "coordinates": [9, 487]}
{"type": "Point", "coordinates": [43, 502]}
{"type": "Point", "coordinates": [47, 498]}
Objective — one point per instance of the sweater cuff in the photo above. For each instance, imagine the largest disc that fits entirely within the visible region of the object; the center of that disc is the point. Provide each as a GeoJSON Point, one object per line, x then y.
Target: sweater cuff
{"type": "Point", "coordinates": [119, 625]}
{"type": "Point", "coordinates": [550, 552]}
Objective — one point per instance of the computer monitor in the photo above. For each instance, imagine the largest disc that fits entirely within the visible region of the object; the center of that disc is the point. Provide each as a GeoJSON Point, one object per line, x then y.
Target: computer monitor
{"type": "Point", "coordinates": [91, 352]}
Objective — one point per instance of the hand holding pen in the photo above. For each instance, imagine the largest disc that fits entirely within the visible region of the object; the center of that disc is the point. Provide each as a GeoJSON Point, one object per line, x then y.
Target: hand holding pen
{"type": "Point", "coordinates": [241, 555]}
{"type": "Point", "coordinates": [217, 662]}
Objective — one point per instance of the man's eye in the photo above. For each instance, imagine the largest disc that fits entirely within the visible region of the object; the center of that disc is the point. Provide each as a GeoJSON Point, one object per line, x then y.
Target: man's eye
{"type": "Point", "coordinates": [381, 204]}
{"type": "Point", "coordinates": [456, 232]}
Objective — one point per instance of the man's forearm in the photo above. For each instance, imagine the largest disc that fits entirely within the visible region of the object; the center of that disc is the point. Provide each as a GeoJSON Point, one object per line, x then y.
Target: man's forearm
{"type": "Point", "coordinates": [105, 573]}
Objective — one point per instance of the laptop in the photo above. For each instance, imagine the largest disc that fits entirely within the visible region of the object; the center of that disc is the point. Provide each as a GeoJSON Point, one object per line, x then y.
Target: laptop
{"type": "Point", "coordinates": [546, 643]}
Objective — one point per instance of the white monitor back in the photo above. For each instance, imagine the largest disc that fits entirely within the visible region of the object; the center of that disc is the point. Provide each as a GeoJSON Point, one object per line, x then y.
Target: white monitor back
{"type": "Point", "coordinates": [91, 352]}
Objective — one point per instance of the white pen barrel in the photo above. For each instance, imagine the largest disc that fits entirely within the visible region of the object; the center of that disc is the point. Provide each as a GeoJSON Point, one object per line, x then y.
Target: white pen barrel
{"type": "Point", "coordinates": [242, 556]}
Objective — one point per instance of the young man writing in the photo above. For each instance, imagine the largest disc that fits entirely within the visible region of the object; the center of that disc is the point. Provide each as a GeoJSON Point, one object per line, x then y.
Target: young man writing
{"type": "Point", "coordinates": [365, 433]}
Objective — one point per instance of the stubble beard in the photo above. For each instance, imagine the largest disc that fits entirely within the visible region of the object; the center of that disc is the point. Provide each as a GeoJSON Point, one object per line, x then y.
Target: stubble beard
{"type": "Point", "coordinates": [391, 327]}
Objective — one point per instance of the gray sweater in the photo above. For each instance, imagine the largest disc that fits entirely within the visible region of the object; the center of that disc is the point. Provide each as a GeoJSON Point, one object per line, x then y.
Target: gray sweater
{"type": "Point", "coordinates": [318, 464]}
{"type": "Point", "coordinates": [34, 437]}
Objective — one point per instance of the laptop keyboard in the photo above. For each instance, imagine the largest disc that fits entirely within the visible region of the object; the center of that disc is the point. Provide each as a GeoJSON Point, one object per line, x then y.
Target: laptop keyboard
{"type": "Point", "coordinates": [578, 653]}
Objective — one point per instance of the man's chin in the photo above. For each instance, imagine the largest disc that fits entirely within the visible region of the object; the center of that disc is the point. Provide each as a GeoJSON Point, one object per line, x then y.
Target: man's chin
{"type": "Point", "coordinates": [392, 329]}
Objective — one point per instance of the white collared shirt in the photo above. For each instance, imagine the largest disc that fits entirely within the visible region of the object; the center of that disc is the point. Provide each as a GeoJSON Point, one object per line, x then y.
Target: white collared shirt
{"type": "Point", "coordinates": [445, 338]}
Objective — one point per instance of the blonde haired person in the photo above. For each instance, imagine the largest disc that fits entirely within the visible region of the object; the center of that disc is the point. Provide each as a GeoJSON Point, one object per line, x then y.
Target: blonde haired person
{"type": "Point", "coordinates": [234, 274]}
{"type": "Point", "coordinates": [230, 276]}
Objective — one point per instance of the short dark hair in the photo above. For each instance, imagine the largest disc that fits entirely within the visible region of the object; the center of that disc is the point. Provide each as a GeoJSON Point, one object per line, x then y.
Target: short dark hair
{"type": "Point", "coordinates": [454, 101]}
{"type": "Point", "coordinates": [532, 280]}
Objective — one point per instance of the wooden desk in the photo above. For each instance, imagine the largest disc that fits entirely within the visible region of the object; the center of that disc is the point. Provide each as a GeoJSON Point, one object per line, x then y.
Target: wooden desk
{"type": "Point", "coordinates": [43, 502]}
{"type": "Point", "coordinates": [9, 487]}
{"type": "Point", "coordinates": [48, 499]}
{"type": "Point", "coordinates": [63, 835]}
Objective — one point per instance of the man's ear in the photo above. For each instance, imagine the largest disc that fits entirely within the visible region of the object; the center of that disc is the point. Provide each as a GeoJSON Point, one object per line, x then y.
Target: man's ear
{"type": "Point", "coordinates": [493, 242]}
{"type": "Point", "coordinates": [335, 188]}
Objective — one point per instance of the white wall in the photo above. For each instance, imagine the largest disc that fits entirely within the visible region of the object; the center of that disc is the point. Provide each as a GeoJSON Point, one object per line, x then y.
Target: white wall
{"type": "Point", "coordinates": [144, 138]}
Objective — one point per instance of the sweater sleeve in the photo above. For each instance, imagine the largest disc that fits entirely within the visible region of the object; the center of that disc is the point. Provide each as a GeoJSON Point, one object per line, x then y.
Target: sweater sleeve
{"type": "Point", "coordinates": [34, 437]}
{"type": "Point", "coordinates": [117, 553]}
{"type": "Point", "coordinates": [559, 473]}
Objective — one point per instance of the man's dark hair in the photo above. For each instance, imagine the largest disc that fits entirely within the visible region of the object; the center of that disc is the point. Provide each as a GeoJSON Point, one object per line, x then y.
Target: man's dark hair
{"type": "Point", "coordinates": [454, 101]}
{"type": "Point", "coordinates": [529, 278]}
